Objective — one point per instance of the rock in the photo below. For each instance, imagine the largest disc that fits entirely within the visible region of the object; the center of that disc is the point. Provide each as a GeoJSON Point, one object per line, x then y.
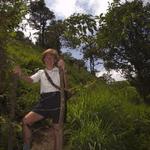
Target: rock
{"type": "Point", "coordinates": [43, 139]}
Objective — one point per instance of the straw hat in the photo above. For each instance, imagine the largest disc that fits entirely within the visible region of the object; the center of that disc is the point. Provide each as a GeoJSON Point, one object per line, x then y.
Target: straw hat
{"type": "Point", "coordinates": [52, 52]}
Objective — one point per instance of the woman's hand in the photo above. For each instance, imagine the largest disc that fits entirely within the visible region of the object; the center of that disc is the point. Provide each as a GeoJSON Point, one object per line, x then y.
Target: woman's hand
{"type": "Point", "coordinates": [61, 64]}
{"type": "Point", "coordinates": [17, 71]}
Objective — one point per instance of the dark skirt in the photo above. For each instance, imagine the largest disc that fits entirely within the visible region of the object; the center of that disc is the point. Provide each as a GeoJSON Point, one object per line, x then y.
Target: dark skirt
{"type": "Point", "coordinates": [49, 106]}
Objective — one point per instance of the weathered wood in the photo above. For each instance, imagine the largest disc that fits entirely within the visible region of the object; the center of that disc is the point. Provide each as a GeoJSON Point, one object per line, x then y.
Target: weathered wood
{"type": "Point", "coordinates": [62, 110]}
{"type": "Point", "coordinates": [2, 68]}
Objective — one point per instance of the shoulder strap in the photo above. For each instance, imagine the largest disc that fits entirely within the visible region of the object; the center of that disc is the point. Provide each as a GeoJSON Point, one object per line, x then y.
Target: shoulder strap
{"type": "Point", "coordinates": [51, 81]}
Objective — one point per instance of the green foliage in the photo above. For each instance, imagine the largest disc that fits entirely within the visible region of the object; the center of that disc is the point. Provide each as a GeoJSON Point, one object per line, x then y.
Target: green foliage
{"type": "Point", "coordinates": [124, 40]}
{"type": "Point", "coordinates": [11, 13]}
{"type": "Point", "coordinates": [53, 34]}
{"type": "Point", "coordinates": [103, 117]}
{"type": "Point", "coordinates": [28, 57]}
{"type": "Point", "coordinates": [80, 25]}
{"type": "Point", "coordinates": [40, 17]}
{"type": "Point", "coordinates": [80, 31]}
{"type": "Point", "coordinates": [40, 14]}
{"type": "Point", "coordinates": [100, 116]}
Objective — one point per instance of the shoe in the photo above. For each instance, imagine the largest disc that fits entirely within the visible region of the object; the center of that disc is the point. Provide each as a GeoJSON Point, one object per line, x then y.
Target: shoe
{"type": "Point", "coordinates": [26, 147]}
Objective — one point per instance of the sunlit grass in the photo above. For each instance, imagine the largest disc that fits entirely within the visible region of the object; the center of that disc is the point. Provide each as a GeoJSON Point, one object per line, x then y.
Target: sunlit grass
{"type": "Point", "coordinates": [104, 117]}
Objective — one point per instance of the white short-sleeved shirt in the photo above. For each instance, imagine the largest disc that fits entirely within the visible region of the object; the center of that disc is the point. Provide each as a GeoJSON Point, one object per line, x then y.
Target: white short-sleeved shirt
{"type": "Point", "coordinates": [45, 85]}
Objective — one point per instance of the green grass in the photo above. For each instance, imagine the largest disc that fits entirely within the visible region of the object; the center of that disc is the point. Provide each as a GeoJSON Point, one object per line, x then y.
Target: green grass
{"type": "Point", "coordinates": [105, 117]}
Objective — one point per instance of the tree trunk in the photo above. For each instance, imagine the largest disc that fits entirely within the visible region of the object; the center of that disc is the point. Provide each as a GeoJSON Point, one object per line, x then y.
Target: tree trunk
{"type": "Point", "coordinates": [43, 36]}
{"type": "Point", "coordinates": [2, 69]}
{"type": "Point", "coordinates": [2, 62]}
{"type": "Point", "coordinates": [92, 65]}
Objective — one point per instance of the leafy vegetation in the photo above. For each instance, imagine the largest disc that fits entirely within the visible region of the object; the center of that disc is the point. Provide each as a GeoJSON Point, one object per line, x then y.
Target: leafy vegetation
{"type": "Point", "coordinates": [108, 117]}
{"type": "Point", "coordinates": [101, 115]}
{"type": "Point", "coordinates": [40, 16]}
{"type": "Point", "coordinates": [124, 40]}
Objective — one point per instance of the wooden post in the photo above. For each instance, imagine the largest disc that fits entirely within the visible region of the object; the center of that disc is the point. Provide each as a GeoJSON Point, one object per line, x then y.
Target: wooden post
{"type": "Point", "coordinates": [62, 109]}
{"type": "Point", "coordinates": [3, 65]}
{"type": "Point", "coordinates": [12, 101]}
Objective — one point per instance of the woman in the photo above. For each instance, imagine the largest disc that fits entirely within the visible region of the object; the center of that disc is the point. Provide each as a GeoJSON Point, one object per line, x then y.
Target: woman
{"type": "Point", "coordinates": [49, 104]}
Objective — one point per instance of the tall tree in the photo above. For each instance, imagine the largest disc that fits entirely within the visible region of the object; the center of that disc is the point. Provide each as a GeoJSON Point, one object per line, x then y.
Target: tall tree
{"type": "Point", "coordinates": [124, 37]}
{"type": "Point", "coordinates": [54, 34]}
{"type": "Point", "coordinates": [40, 16]}
{"type": "Point", "coordinates": [81, 32]}
{"type": "Point", "coordinates": [11, 13]}
{"type": "Point", "coordinates": [90, 52]}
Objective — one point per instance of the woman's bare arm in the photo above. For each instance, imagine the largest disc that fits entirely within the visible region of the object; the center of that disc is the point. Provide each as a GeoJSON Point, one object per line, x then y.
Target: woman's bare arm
{"type": "Point", "coordinates": [17, 70]}
{"type": "Point", "coordinates": [26, 78]}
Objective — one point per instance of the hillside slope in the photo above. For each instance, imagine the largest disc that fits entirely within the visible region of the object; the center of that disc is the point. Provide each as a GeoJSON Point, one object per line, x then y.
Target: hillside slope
{"type": "Point", "coordinates": [100, 116]}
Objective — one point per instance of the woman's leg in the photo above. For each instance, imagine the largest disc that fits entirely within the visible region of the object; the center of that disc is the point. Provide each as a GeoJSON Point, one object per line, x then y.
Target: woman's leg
{"type": "Point", "coordinates": [28, 120]}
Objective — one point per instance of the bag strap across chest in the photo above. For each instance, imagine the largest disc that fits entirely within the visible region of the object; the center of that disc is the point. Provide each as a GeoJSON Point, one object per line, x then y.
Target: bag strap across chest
{"type": "Point", "coordinates": [51, 81]}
